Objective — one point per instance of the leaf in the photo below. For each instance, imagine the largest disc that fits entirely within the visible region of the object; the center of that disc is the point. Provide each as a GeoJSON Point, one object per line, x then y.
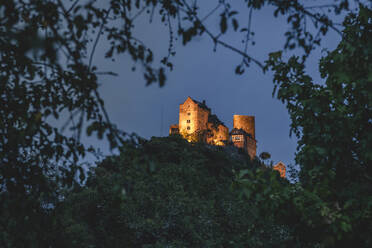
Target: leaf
{"type": "Point", "coordinates": [223, 23]}
{"type": "Point", "coordinates": [235, 24]}
{"type": "Point", "coordinates": [233, 13]}
{"type": "Point", "coordinates": [239, 70]}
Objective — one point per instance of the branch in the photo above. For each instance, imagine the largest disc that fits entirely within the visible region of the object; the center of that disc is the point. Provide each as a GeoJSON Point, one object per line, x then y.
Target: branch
{"type": "Point", "coordinates": [241, 53]}
{"type": "Point", "coordinates": [99, 99]}
{"type": "Point", "coordinates": [321, 21]}
{"type": "Point", "coordinates": [224, 44]}
{"type": "Point", "coordinates": [211, 12]}
{"type": "Point", "coordinates": [139, 13]}
{"type": "Point", "coordinates": [249, 29]}
{"type": "Point", "coordinates": [97, 39]}
{"type": "Point", "coordinates": [72, 7]}
{"type": "Point", "coordinates": [320, 6]}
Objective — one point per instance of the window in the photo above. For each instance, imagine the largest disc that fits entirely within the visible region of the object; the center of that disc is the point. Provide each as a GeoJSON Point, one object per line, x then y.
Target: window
{"type": "Point", "coordinates": [237, 138]}
{"type": "Point", "coordinates": [188, 128]}
{"type": "Point", "coordinates": [188, 113]}
{"type": "Point", "coordinates": [188, 121]}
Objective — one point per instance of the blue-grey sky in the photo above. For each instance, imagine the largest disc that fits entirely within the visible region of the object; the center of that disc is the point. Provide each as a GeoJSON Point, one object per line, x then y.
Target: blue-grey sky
{"type": "Point", "coordinates": [203, 74]}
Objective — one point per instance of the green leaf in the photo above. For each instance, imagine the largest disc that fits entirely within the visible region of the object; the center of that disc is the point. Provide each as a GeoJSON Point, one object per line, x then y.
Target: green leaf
{"type": "Point", "coordinates": [223, 23]}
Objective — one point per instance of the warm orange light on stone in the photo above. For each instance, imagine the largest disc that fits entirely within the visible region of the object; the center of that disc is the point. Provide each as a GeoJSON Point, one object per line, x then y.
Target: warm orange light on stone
{"type": "Point", "coordinates": [197, 123]}
{"type": "Point", "coordinates": [281, 168]}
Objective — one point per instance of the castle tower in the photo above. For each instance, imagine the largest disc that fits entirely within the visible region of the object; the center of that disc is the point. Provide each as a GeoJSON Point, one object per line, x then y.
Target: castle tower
{"type": "Point", "coordinates": [245, 122]}
{"type": "Point", "coordinates": [193, 116]}
{"type": "Point", "coordinates": [281, 168]}
{"type": "Point", "coordinates": [243, 134]}
{"type": "Point", "coordinates": [196, 123]}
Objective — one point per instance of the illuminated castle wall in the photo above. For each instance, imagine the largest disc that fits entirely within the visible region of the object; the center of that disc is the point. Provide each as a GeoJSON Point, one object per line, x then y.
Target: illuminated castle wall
{"type": "Point", "coordinates": [280, 167]}
{"type": "Point", "coordinates": [243, 134]}
{"type": "Point", "coordinates": [197, 123]}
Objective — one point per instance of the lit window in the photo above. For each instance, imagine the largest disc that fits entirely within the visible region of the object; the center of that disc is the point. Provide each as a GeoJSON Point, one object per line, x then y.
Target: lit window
{"type": "Point", "coordinates": [188, 128]}
{"type": "Point", "coordinates": [188, 121]}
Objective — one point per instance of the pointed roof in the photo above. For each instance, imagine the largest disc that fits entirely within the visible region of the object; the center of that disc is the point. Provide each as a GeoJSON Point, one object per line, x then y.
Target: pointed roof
{"type": "Point", "coordinates": [200, 104]}
{"type": "Point", "coordinates": [280, 164]}
{"type": "Point", "coordinates": [215, 121]}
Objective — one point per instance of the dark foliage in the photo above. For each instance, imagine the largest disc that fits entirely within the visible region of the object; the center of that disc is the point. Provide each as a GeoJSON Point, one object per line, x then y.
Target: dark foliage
{"type": "Point", "coordinates": [333, 124]}
{"type": "Point", "coordinates": [167, 193]}
{"type": "Point", "coordinates": [47, 75]}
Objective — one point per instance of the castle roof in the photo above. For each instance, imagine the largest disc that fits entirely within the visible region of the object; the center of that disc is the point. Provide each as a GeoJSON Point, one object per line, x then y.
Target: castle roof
{"type": "Point", "coordinates": [201, 104]}
{"type": "Point", "coordinates": [215, 121]}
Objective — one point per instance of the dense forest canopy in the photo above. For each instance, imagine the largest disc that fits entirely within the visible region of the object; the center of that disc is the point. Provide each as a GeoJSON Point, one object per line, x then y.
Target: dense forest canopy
{"type": "Point", "coordinates": [47, 68]}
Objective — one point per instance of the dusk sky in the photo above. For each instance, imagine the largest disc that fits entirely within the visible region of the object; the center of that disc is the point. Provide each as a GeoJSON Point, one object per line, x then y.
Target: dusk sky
{"type": "Point", "coordinates": [203, 74]}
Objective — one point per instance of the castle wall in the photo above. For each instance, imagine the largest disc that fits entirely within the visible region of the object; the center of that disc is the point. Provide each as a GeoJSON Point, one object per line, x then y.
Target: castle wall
{"type": "Point", "coordinates": [245, 122]}
{"type": "Point", "coordinates": [218, 135]}
{"type": "Point", "coordinates": [239, 141]}
{"type": "Point", "coordinates": [281, 168]}
{"type": "Point", "coordinates": [251, 147]}
{"type": "Point", "coordinates": [173, 129]}
{"type": "Point", "coordinates": [222, 135]}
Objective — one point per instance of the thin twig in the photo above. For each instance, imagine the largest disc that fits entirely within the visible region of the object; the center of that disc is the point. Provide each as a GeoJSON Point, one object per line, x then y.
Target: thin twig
{"type": "Point", "coordinates": [72, 7]}
{"type": "Point", "coordinates": [138, 13]}
{"type": "Point", "coordinates": [99, 99]}
{"type": "Point", "coordinates": [224, 44]}
{"type": "Point", "coordinates": [249, 29]}
{"type": "Point", "coordinates": [152, 13]}
{"type": "Point", "coordinates": [97, 39]}
{"type": "Point", "coordinates": [211, 12]}
{"type": "Point", "coordinates": [71, 119]}
{"type": "Point", "coordinates": [320, 6]}
{"type": "Point", "coordinates": [241, 53]}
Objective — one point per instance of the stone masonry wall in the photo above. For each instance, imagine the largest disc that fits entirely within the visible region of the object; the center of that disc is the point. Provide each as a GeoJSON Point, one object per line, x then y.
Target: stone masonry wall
{"type": "Point", "coordinates": [218, 135]}
{"type": "Point", "coordinates": [245, 122]}
{"type": "Point", "coordinates": [192, 118]}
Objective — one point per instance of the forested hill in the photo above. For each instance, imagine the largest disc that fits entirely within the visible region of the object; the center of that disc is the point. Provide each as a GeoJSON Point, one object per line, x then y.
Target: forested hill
{"type": "Point", "coordinates": [170, 193]}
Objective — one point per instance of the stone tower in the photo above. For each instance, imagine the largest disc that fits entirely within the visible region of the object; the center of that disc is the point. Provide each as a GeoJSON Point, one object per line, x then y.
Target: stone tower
{"type": "Point", "coordinates": [281, 168]}
{"type": "Point", "coordinates": [243, 134]}
{"type": "Point", "coordinates": [197, 123]}
{"type": "Point", "coordinates": [245, 122]}
{"type": "Point", "coordinates": [193, 116]}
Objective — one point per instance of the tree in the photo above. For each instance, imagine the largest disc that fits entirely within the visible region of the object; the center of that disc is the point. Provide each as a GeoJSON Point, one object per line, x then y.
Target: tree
{"type": "Point", "coordinates": [48, 68]}
{"type": "Point", "coordinates": [265, 155]}
{"type": "Point", "coordinates": [47, 73]}
{"type": "Point", "coordinates": [167, 193]}
{"type": "Point", "coordinates": [333, 124]}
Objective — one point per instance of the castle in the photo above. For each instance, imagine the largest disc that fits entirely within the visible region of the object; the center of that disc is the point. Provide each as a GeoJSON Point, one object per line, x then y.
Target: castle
{"type": "Point", "coordinates": [197, 123]}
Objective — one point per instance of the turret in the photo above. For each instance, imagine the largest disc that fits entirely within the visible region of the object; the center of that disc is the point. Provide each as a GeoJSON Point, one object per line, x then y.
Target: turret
{"type": "Point", "coordinates": [245, 122]}
{"type": "Point", "coordinates": [243, 134]}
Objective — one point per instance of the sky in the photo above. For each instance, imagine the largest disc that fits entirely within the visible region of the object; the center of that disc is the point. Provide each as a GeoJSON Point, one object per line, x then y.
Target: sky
{"type": "Point", "coordinates": [204, 74]}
